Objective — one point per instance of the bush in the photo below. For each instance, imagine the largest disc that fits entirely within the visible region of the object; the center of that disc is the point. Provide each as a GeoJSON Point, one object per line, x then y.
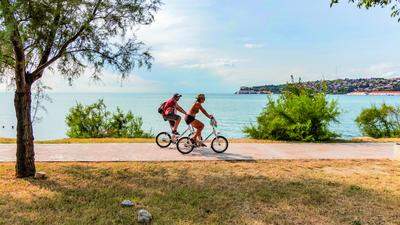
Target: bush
{"type": "Point", "coordinates": [95, 121]}
{"type": "Point", "coordinates": [299, 114]}
{"type": "Point", "coordinates": [379, 122]}
{"type": "Point", "coordinates": [126, 125]}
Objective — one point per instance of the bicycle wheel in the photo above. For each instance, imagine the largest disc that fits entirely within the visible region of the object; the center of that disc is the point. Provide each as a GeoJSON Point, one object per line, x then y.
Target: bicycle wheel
{"type": "Point", "coordinates": [184, 145]}
{"type": "Point", "coordinates": [163, 139]}
{"type": "Point", "coordinates": [219, 144]}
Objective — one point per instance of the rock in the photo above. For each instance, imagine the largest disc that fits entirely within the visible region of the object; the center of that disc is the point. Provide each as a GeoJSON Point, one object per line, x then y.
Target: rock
{"type": "Point", "coordinates": [40, 175]}
{"type": "Point", "coordinates": [127, 203]}
{"type": "Point", "coordinates": [144, 217]}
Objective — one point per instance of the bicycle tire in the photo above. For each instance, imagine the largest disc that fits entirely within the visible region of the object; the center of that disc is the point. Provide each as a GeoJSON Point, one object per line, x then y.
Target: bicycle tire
{"type": "Point", "coordinates": [213, 144]}
{"type": "Point", "coordinates": [184, 142]}
{"type": "Point", "coordinates": [168, 142]}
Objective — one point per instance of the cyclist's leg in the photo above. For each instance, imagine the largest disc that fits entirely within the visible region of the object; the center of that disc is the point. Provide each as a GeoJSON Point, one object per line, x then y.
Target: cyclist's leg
{"type": "Point", "coordinates": [171, 123]}
{"type": "Point", "coordinates": [199, 127]}
{"type": "Point", "coordinates": [176, 120]}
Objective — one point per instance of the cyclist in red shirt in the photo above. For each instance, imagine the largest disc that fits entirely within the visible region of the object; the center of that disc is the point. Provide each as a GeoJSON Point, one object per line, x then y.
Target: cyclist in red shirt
{"type": "Point", "coordinates": [169, 112]}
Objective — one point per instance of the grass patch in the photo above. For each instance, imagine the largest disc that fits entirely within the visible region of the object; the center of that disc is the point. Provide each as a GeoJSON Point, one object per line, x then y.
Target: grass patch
{"type": "Point", "coordinates": [266, 192]}
{"type": "Point", "coordinates": [84, 140]}
{"type": "Point", "coordinates": [7, 140]}
{"type": "Point", "coordinates": [151, 140]}
{"type": "Point", "coordinates": [378, 140]}
{"type": "Point", "coordinates": [96, 140]}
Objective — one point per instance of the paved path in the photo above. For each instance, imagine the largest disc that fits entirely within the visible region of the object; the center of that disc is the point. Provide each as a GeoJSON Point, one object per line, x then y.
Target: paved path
{"type": "Point", "coordinates": [236, 151]}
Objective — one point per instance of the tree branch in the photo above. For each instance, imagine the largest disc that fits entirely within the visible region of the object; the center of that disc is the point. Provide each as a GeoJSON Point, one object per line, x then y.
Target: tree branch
{"type": "Point", "coordinates": [16, 41]}
{"type": "Point", "coordinates": [39, 70]}
{"type": "Point", "coordinates": [91, 50]}
{"type": "Point", "coordinates": [49, 45]}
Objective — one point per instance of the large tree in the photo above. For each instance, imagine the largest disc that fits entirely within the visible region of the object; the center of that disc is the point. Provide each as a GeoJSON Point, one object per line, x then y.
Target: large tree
{"type": "Point", "coordinates": [67, 36]}
{"type": "Point", "coordinates": [393, 4]}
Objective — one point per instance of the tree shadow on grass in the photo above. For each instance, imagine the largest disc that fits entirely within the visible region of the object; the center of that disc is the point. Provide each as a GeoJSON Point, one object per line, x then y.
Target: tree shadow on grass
{"type": "Point", "coordinates": [91, 195]}
{"type": "Point", "coordinates": [209, 153]}
{"type": "Point", "coordinates": [226, 156]}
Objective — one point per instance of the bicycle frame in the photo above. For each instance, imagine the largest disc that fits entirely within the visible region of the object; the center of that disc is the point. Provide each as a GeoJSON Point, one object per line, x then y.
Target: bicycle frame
{"type": "Point", "coordinates": [214, 132]}
{"type": "Point", "coordinates": [185, 145]}
{"type": "Point", "coordinates": [190, 129]}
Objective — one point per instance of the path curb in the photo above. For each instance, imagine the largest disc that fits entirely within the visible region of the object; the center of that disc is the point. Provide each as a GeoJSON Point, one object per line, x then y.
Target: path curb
{"type": "Point", "coordinates": [396, 152]}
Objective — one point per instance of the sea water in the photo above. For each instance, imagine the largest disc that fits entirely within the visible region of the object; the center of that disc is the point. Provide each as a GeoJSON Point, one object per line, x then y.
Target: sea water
{"type": "Point", "coordinates": [232, 112]}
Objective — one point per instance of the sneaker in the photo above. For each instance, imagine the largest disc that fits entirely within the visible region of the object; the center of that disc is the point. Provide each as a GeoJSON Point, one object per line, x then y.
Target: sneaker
{"type": "Point", "coordinates": [175, 132]}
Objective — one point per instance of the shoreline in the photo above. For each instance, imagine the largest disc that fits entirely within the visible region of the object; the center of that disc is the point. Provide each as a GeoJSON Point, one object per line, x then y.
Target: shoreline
{"type": "Point", "coordinates": [355, 93]}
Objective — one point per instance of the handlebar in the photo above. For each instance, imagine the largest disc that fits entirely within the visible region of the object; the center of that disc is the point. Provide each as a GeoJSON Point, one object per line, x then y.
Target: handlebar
{"type": "Point", "coordinates": [213, 122]}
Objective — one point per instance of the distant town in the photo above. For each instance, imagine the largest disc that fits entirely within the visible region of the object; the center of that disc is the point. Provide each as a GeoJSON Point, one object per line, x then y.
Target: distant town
{"type": "Point", "coordinates": [362, 86]}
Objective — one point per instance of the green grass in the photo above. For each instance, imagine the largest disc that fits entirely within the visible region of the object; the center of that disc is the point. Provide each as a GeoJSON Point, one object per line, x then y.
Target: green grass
{"type": "Point", "coordinates": [266, 192]}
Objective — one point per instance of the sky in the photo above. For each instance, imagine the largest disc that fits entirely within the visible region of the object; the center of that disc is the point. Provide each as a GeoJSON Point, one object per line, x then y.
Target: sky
{"type": "Point", "coordinates": [216, 46]}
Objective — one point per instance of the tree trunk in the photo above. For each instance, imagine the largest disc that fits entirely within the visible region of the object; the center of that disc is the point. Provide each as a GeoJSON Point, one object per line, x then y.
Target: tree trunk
{"type": "Point", "coordinates": [25, 166]}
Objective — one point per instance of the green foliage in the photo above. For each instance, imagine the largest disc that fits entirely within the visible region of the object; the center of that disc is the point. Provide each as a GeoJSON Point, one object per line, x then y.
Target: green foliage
{"type": "Point", "coordinates": [95, 121]}
{"type": "Point", "coordinates": [393, 4]}
{"type": "Point", "coordinates": [73, 34]}
{"type": "Point", "coordinates": [126, 125]}
{"type": "Point", "coordinates": [299, 114]}
{"type": "Point", "coordinates": [379, 122]}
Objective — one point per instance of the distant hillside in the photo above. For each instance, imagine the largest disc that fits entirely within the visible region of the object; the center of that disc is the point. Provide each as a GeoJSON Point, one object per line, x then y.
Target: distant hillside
{"type": "Point", "coordinates": [338, 86]}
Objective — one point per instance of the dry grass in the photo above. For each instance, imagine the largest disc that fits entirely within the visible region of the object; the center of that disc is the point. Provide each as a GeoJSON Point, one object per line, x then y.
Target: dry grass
{"type": "Point", "coordinates": [84, 140]}
{"type": "Point", "coordinates": [7, 140]}
{"type": "Point", "coordinates": [268, 192]}
{"type": "Point", "coordinates": [379, 140]}
{"type": "Point", "coordinates": [151, 140]}
{"type": "Point", "coordinates": [96, 140]}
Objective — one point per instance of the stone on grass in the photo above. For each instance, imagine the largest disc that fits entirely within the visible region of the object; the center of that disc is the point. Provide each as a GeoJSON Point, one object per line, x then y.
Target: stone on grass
{"type": "Point", "coordinates": [144, 217]}
{"type": "Point", "coordinates": [127, 203]}
{"type": "Point", "coordinates": [40, 175]}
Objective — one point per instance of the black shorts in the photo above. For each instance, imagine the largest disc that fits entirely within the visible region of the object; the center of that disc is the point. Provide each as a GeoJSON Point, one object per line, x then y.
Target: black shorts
{"type": "Point", "coordinates": [172, 118]}
{"type": "Point", "coordinates": [189, 119]}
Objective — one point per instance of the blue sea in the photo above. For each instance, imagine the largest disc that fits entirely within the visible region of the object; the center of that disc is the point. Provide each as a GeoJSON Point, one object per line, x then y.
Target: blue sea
{"type": "Point", "coordinates": [233, 112]}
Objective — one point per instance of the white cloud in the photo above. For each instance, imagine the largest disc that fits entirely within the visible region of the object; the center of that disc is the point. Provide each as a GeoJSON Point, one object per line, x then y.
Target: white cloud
{"type": "Point", "coordinates": [253, 45]}
{"type": "Point", "coordinates": [6, 81]}
{"type": "Point", "coordinates": [109, 82]}
{"type": "Point", "coordinates": [383, 69]}
{"type": "Point", "coordinates": [177, 39]}
{"type": "Point", "coordinates": [214, 64]}
{"type": "Point", "coordinates": [3, 87]}
{"type": "Point", "coordinates": [178, 57]}
{"type": "Point", "coordinates": [196, 58]}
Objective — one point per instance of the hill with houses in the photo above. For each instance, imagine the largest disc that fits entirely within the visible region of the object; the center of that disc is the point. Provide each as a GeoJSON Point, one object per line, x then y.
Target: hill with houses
{"type": "Point", "coordinates": [338, 86]}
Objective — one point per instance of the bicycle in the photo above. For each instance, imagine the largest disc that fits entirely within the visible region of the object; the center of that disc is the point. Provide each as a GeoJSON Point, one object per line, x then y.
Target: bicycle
{"type": "Point", "coordinates": [219, 143]}
{"type": "Point", "coordinates": [165, 139]}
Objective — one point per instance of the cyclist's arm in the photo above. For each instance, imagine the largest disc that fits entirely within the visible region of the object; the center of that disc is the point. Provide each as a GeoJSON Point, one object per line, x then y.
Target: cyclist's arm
{"type": "Point", "coordinates": [179, 108]}
{"type": "Point", "coordinates": [205, 112]}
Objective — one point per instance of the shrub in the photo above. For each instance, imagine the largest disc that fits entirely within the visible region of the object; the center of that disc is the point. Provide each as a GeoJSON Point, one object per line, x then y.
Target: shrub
{"type": "Point", "coordinates": [378, 122]}
{"type": "Point", "coordinates": [95, 121]}
{"type": "Point", "coordinates": [299, 114]}
{"type": "Point", "coordinates": [126, 125]}
{"type": "Point", "coordinates": [87, 121]}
